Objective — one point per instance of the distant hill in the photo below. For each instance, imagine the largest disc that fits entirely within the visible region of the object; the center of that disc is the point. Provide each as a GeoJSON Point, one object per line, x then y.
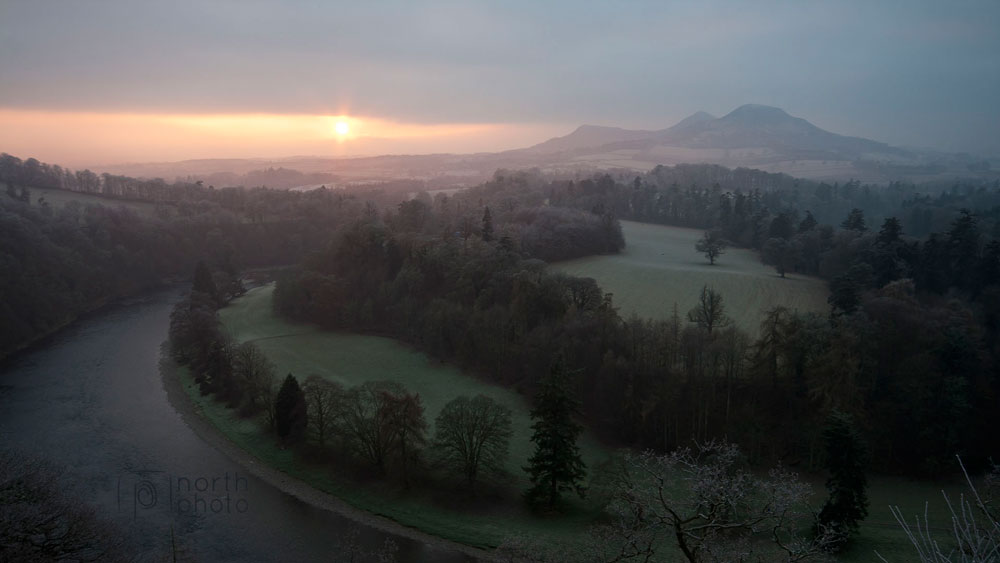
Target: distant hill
{"type": "Point", "coordinates": [755, 125]}
{"type": "Point", "coordinates": [748, 126]}
{"type": "Point", "coordinates": [752, 136]}
{"type": "Point", "coordinates": [692, 121]}
{"type": "Point", "coordinates": [588, 136]}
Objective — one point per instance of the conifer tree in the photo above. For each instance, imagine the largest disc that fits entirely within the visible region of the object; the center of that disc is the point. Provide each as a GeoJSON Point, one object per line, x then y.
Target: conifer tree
{"type": "Point", "coordinates": [290, 410]}
{"type": "Point", "coordinates": [204, 283]}
{"type": "Point", "coordinates": [556, 465]}
{"type": "Point", "coordinates": [846, 457]}
{"type": "Point", "coordinates": [487, 225]}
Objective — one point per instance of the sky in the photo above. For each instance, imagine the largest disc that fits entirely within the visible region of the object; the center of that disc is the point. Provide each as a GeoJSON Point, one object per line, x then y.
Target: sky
{"type": "Point", "coordinates": [87, 82]}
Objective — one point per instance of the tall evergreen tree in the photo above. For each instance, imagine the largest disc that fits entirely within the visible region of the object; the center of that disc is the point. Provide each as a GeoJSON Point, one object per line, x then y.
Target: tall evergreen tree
{"type": "Point", "coordinates": [556, 465]}
{"type": "Point", "coordinates": [487, 225]}
{"type": "Point", "coordinates": [963, 246]}
{"type": "Point", "coordinates": [855, 221]}
{"type": "Point", "coordinates": [204, 283]}
{"type": "Point", "coordinates": [807, 224]}
{"type": "Point", "coordinates": [846, 457]}
{"type": "Point", "coordinates": [890, 231]}
{"type": "Point", "coordinates": [290, 410]}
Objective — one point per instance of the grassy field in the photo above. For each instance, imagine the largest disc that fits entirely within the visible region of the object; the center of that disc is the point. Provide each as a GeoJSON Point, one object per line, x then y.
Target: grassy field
{"type": "Point", "coordinates": [59, 198]}
{"type": "Point", "coordinates": [659, 267]}
{"type": "Point", "coordinates": [352, 359]}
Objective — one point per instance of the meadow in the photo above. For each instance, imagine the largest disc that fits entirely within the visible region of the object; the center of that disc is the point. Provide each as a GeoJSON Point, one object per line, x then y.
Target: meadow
{"type": "Point", "coordinates": [659, 267]}
{"type": "Point", "coordinates": [353, 358]}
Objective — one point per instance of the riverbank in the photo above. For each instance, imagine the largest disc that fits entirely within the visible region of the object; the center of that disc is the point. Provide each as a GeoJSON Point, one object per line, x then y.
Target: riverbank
{"type": "Point", "coordinates": [182, 402]}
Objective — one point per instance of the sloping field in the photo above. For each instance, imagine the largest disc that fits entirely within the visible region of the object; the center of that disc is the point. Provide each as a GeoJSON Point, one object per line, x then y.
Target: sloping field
{"type": "Point", "coordinates": [59, 198]}
{"type": "Point", "coordinates": [659, 267]}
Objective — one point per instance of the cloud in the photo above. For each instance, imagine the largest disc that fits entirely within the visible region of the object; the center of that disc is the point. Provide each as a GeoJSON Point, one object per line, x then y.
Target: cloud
{"type": "Point", "coordinates": [629, 63]}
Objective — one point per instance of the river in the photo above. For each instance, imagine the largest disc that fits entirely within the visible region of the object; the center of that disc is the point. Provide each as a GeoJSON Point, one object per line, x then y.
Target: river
{"type": "Point", "coordinates": [91, 400]}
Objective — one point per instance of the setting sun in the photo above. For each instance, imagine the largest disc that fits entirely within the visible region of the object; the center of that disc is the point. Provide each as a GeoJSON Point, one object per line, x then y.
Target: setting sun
{"type": "Point", "coordinates": [341, 128]}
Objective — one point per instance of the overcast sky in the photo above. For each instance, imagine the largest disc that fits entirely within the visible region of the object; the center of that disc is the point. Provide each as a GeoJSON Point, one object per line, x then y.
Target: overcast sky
{"type": "Point", "coordinates": [908, 72]}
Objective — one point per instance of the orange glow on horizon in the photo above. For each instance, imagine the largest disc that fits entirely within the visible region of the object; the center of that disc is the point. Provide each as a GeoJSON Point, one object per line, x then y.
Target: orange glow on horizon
{"type": "Point", "coordinates": [87, 138]}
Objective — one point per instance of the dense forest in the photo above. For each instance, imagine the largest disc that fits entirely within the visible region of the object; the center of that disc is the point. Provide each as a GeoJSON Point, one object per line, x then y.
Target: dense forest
{"type": "Point", "coordinates": [909, 344]}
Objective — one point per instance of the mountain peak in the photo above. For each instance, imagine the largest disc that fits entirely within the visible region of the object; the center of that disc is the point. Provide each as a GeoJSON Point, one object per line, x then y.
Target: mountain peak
{"type": "Point", "coordinates": [694, 119]}
{"type": "Point", "coordinates": [757, 113]}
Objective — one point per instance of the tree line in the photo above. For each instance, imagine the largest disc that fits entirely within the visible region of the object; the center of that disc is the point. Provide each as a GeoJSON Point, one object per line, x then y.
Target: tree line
{"type": "Point", "coordinates": [380, 425]}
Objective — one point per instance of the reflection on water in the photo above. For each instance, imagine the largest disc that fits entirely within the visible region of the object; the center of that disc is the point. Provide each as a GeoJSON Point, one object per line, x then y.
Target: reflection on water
{"type": "Point", "coordinates": [91, 400]}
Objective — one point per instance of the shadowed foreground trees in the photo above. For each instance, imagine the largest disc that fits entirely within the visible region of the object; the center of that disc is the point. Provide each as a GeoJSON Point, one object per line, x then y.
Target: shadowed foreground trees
{"type": "Point", "coordinates": [39, 523]}
{"type": "Point", "coordinates": [326, 401]}
{"type": "Point", "coordinates": [975, 526]}
{"type": "Point", "coordinates": [847, 485]}
{"type": "Point", "coordinates": [556, 466]}
{"type": "Point", "coordinates": [290, 410]}
{"type": "Point", "coordinates": [709, 506]}
{"type": "Point", "coordinates": [473, 436]}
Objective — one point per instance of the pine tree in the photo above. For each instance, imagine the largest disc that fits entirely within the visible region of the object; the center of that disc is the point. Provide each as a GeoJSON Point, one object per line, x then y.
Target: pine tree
{"type": "Point", "coordinates": [204, 283]}
{"type": "Point", "coordinates": [487, 225]}
{"type": "Point", "coordinates": [556, 465]}
{"type": "Point", "coordinates": [807, 224]}
{"type": "Point", "coordinates": [846, 457]}
{"type": "Point", "coordinates": [855, 221]}
{"type": "Point", "coordinates": [290, 410]}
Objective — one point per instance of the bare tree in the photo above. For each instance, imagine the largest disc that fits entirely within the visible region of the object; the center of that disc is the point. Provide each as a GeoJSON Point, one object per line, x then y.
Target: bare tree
{"type": "Point", "coordinates": [327, 401]}
{"type": "Point", "coordinates": [473, 435]}
{"type": "Point", "coordinates": [712, 509]}
{"type": "Point", "coordinates": [365, 422]}
{"type": "Point", "coordinates": [975, 531]}
{"type": "Point", "coordinates": [709, 313]}
{"type": "Point", "coordinates": [256, 375]}
{"type": "Point", "coordinates": [40, 523]}
{"type": "Point", "coordinates": [404, 419]}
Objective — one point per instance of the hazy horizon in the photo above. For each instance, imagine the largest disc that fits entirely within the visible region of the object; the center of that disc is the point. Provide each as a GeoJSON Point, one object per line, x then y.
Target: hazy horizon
{"type": "Point", "coordinates": [111, 82]}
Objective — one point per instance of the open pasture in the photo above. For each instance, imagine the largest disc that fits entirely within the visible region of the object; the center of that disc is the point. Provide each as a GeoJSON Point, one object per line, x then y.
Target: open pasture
{"type": "Point", "coordinates": [660, 267]}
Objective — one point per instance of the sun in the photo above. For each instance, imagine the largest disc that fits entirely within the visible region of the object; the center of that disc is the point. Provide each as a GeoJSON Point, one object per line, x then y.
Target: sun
{"type": "Point", "coordinates": [342, 128]}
